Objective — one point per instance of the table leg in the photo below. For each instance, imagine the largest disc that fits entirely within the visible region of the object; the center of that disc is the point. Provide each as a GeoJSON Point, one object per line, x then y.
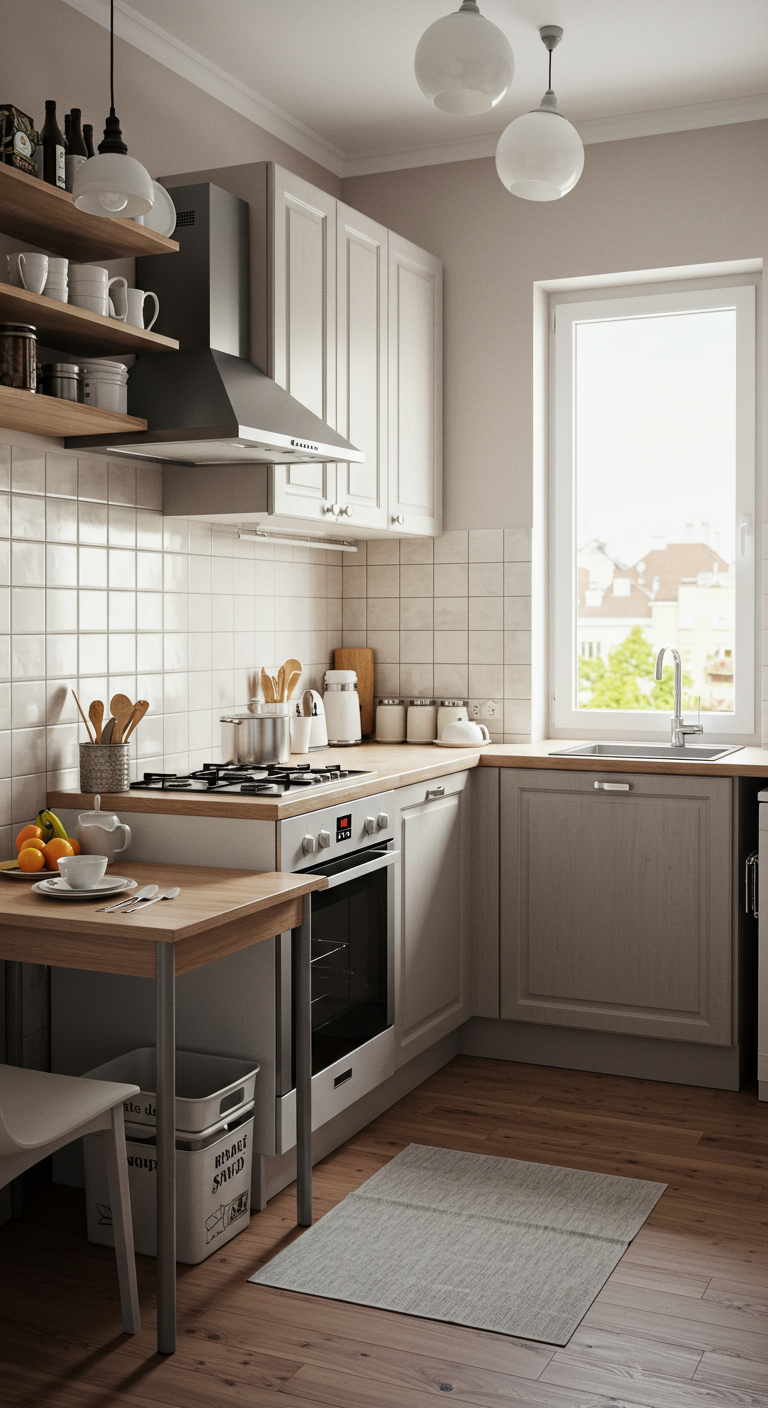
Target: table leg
{"type": "Point", "coordinates": [303, 1057]}
{"type": "Point", "coordinates": [14, 1051]}
{"type": "Point", "coordinates": [166, 1148]}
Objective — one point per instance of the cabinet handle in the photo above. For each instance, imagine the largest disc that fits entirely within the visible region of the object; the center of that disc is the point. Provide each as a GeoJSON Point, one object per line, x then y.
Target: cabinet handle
{"type": "Point", "coordinates": [613, 786]}
{"type": "Point", "coordinates": [346, 511]}
{"type": "Point", "coordinates": [398, 518]}
{"type": "Point", "coordinates": [433, 792]}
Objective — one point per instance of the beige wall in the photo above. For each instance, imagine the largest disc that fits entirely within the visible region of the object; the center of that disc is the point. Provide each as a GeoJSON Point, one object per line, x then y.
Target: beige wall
{"type": "Point", "coordinates": [654, 202]}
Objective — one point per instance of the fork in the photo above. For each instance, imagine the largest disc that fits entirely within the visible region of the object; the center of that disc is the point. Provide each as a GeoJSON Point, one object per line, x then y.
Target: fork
{"type": "Point", "coordinates": [144, 894]}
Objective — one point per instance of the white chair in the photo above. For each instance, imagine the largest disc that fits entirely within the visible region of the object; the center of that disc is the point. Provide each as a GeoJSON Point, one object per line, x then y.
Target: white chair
{"type": "Point", "coordinates": [39, 1113]}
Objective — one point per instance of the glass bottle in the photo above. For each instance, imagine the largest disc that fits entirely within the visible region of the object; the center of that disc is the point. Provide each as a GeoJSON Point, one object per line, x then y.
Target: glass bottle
{"type": "Point", "coordinates": [54, 148]}
{"type": "Point", "coordinates": [88, 138]}
{"type": "Point", "coordinates": [77, 152]}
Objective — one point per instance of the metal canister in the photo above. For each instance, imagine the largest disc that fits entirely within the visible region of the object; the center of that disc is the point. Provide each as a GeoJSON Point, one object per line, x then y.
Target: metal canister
{"type": "Point", "coordinates": [61, 379]}
{"type": "Point", "coordinates": [18, 356]}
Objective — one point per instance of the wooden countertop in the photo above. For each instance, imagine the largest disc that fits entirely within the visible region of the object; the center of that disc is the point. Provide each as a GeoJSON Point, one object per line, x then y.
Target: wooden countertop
{"type": "Point", "coordinates": [393, 765]}
{"type": "Point", "coordinates": [217, 912]}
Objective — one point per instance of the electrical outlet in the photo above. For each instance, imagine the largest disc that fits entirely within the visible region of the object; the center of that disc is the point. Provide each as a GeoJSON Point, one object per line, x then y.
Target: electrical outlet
{"type": "Point", "coordinates": [491, 709]}
{"type": "Point", "coordinates": [475, 711]}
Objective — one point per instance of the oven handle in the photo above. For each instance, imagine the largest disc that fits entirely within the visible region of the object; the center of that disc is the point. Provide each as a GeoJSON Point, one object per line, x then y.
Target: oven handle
{"type": "Point", "coordinates": [366, 869]}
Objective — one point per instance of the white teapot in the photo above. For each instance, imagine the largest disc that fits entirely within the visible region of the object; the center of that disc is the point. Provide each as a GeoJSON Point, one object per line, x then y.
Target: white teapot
{"type": "Point", "coordinates": [102, 833]}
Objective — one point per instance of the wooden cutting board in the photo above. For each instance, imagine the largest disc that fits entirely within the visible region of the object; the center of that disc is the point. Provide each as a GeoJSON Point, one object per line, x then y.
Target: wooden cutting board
{"type": "Point", "coordinates": [361, 661]}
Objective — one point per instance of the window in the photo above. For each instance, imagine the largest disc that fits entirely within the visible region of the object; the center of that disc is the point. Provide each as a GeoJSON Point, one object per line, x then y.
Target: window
{"type": "Point", "coordinates": [652, 510]}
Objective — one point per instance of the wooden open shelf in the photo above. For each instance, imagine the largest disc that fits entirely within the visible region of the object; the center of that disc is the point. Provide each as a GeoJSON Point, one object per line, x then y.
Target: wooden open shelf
{"type": "Point", "coordinates": [75, 330]}
{"type": "Point", "coordinates": [47, 415]}
{"type": "Point", "coordinates": [32, 210]}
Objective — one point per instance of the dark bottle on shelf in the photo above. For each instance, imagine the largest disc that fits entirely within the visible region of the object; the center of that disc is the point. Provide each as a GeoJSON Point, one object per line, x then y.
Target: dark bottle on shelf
{"type": "Point", "coordinates": [54, 148]}
{"type": "Point", "coordinates": [67, 120]}
{"type": "Point", "coordinates": [77, 152]}
{"type": "Point", "coordinates": [88, 138]}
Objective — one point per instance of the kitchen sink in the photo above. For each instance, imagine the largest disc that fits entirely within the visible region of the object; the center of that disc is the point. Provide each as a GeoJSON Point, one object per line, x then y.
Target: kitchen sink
{"type": "Point", "coordinates": [651, 752]}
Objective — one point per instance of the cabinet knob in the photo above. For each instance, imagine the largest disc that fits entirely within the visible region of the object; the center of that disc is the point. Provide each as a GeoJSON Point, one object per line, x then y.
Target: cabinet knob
{"type": "Point", "coordinates": [309, 845]}
{"type": "Point", "coordinates": [398, 518]}
{"type": "Point", "coordinates": [346, 511]}
{"type": "Point", "coordinates": [332, 508]}
{"type": "Point", "coordinates": [324, 839]}
{"type": "Point", "coordinates": [369, 825]}
{"type": "Point", "coordinates": [382, 821]}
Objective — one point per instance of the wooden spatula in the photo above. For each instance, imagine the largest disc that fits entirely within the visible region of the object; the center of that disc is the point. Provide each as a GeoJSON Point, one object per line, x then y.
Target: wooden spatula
{"type": "Point", "coordinates": [293, 680]}
{"type": "Point", "coordinates": [281, 683]}
{"type": "Point", "coordinates": [290, 666]}
{"type": "Point", "coordinates": [266, 687]}
{"type": "Point", "coordinates": [96, 716]}
{"type": "Point", "coordinates": [107, 732]}
{"type": "Point", "coordinates": [139, 710]}
{"type": "Point", "coordinates": [122, 708]}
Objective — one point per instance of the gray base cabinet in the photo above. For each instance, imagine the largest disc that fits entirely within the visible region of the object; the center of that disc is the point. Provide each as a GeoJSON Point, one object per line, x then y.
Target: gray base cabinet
{"type": "Point", "coordinates": [432, 988]}
{"type": "Point", "coordinates": [616, 906]}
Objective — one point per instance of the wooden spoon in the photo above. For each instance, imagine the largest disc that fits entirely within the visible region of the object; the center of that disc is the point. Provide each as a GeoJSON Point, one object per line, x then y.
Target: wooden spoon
{"type": "Point", "coordinates": [293, 680]}
{"type": "Point", "coordinates": [275, 695]}
{"type": "Point", "coordinates": [139, 710]}
{"type": "Point", "coordinates": [266, 687]}
{"type": "Point", "coordinates": [290, 666]}
{"type": "Point", "coordinates": [122, 708]}
{"type": "Point", "coordinates": [281, 683]}
{"type": "Point", "coordinates": [107, 731]}
{"type": "Point", "coordinates": [82, 715]}
{"type": "Point", "coordinates": [96, 716]}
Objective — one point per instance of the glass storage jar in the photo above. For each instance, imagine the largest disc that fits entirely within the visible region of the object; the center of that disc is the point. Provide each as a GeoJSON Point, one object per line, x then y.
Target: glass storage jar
{"type": "Point", "coordinates": [18, 356]}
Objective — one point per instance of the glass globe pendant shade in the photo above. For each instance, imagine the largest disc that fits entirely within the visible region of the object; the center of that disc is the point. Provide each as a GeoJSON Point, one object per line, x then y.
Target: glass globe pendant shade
{"type": "Point", "coordinates": [463, 63]}
{"type": "Point", "coordinates": [113, 183]}
{"type": "Point", "coordinates": [540, 156]}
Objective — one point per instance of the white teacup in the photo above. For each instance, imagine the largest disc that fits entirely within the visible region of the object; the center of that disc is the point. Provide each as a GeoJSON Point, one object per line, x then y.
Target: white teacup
{"type": "Point", "coordinates": [463, 733]}
{"type": "Point", "coordinates": [28, 271]}
{"type": "Point", "coordinates": [83, 872]}
{"type": "Point", "coordinates": [135, 300]}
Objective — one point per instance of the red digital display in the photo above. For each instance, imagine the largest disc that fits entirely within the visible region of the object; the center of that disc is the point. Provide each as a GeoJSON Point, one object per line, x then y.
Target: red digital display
{"type": "Point", "coordinates": [343, 828]}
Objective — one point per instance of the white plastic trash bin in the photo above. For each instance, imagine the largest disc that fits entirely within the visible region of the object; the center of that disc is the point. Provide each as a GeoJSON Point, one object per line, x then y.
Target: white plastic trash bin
{"type": "Point", "coordinates": [207, 1087]}
{"type": "Point", "coordinates": [213, 1188]}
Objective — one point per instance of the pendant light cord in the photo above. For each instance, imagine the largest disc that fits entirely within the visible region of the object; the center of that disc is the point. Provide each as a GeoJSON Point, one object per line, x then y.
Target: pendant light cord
{"type": "Point", "coordinates": [550, 65]}
{"type": "Point", "coordinates": [112, 55]}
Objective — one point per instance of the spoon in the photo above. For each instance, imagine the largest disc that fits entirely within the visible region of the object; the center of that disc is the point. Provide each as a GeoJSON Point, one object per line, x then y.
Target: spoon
{"type": "Point", "coordinates": [122, 708]}
{"type": "Point", "coordinates": [281, 683]}
{"type": "Point", "coordinates": [139, 710]}
{"type": "Point", "coordinates": [293, 680]}
{"type": "Point", "coordinates": [107, 731]}
{"type": "Point", "coordinates": [145, 894]}
{"type": "Point", "coordinates": [96, 716]}
{"type": "Point", "coordinates": [167, 895]}
{"type": "Point", "coordinates": [82, 715]}
{"type": "Point", "coordinates": [266, 687]}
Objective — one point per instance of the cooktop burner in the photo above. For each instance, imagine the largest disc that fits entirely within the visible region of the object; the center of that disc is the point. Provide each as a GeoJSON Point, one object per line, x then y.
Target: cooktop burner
{"type": "Point", "coordinates": [269, 780]}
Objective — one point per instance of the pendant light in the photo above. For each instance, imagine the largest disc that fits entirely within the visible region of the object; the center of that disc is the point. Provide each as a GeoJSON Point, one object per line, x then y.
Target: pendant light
{"type": "Point", "coordinates": [540, 156]}
{"type": "Point", "coordinates": [463, 63]}
{"type": "Point", "coordinates": [113, 184]}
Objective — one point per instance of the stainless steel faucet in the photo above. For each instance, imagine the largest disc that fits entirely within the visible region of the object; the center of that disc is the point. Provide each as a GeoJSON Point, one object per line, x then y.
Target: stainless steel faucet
{"type": "Point", "coordinates": [679, 727]}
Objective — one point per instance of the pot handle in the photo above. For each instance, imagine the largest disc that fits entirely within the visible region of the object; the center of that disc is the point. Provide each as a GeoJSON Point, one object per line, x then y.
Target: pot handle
{"type": "Point", "coordinates": [226, 720]}
{"type": "Point", "coordinates": [126, 830]}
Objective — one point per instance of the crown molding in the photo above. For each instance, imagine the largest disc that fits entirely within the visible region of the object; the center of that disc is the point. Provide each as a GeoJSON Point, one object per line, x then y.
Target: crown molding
{"type": "Point", "coordinates": [166, 49]}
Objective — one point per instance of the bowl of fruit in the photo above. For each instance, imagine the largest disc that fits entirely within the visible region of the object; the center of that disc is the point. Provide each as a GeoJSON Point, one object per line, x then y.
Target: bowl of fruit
{"type": "Point", "coordinates": [39, 848]}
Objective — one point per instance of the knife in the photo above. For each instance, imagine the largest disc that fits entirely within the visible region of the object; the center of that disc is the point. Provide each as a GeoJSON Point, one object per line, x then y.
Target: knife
{"type": "Point", "coordinates": [142, 895]}
{"type": "Point", "coordinates": [166, 895]}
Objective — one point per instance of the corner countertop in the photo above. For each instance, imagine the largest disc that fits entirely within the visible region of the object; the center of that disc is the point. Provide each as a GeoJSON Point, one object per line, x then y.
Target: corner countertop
{"type": "Point", "coordinates": [392, 765]}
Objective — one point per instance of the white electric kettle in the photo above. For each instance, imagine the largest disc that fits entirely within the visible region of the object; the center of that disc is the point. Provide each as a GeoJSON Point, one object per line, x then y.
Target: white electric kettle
{"type": "Point", "coordinates": [102, 833]}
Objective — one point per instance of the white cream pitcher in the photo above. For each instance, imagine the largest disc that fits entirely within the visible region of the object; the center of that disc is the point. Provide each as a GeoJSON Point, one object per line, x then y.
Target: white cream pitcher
{"type": "Point", "coordinates": [102, 833]}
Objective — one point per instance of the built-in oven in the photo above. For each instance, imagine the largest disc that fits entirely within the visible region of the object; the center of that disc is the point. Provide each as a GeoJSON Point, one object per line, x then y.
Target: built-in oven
{"type": "Point", "coordinates": [352, 959]}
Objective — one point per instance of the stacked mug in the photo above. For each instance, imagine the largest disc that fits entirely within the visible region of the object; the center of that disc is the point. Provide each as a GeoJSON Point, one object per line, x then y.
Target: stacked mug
{"type": "Point", "coordinates": [39, 273]}
{"type": "Point", "coordinates": [89, 287]}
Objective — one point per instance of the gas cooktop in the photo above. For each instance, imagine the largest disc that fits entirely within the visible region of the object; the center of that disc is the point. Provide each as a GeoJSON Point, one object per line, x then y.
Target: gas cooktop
{"type": "Point", "coordinates": [269, 780]}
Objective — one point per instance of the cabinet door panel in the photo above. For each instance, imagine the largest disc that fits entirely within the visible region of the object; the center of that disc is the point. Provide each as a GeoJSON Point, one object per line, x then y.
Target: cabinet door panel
{"type": "Point", "coordinates": [616, 907]}
{"type": "Point", "coordinates": [431, 970]}
{"type": "Point", "coordinates": [415, 388]}
{"type": "Point", "coordinates": [361, 368]}
{"type": "Point", "coordinates": [303, 234]}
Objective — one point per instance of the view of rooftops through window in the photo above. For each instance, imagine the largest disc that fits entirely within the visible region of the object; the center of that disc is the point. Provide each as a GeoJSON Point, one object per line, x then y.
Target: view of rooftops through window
{"type": "Point", "coordinates": [654, 427]}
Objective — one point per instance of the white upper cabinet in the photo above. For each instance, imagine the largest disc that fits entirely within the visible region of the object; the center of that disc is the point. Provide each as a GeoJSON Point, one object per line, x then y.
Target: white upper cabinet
{"type": "Point", "coordinates": [415, 389]}
{"type": "Point", "coordinates": [361, 366]}
{"type": "Point", "coordinates": [301, 237]}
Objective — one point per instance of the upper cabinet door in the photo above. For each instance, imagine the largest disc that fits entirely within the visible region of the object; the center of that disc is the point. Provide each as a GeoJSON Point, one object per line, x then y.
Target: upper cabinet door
{"type": "Point", "coordinates": [415, 389]}
{"type": "Point", "coordinates": [301, 231]}
{"type": "Point", "coordinates": [361, 365]}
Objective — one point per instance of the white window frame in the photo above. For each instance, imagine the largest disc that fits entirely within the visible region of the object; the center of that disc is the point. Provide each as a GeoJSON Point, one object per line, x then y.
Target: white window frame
{"type": "Point", "coordinates": [566, 311]}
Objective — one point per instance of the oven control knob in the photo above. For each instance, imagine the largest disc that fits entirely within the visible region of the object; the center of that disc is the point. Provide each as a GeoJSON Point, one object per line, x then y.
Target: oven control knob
{"type": "Point", "coordinates": [382, 821]}
{"type": "Point", "coordinates": [370, 825]}
{"type": "Point", "coordinates": [308, 845]}
{"type": "Point", "coordinates": [324, 839]}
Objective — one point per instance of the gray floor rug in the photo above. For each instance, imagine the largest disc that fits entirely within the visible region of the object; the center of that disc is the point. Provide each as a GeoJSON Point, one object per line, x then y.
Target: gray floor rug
{"type": "Point", "coordinates": [519, 1248]}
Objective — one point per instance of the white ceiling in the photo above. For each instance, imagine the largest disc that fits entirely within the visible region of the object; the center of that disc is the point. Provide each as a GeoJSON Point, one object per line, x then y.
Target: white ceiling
{"type": "Point", "coordinates": [335, 77]}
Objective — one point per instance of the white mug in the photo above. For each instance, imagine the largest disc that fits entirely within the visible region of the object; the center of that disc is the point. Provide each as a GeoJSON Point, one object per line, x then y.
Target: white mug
{"type": "Point", "coordinates": [57, 269]}
{"type": "Point", "coordinates": [95, 297]}
{"type": "Point", "coordinates": [28, 271]}
{"type": "Point", "coordinates": [88, 274]}
{"type": "Point", "coordinates": [59, 292]}
{"type": "Point", "coordinates": [135, 298]}
{"type": "Point", "coordinates": [463, 733]}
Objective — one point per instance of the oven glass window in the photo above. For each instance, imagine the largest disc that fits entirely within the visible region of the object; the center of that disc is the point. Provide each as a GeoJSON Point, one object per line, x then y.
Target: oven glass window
{"type": "Point", "coordinates": [349, 967]}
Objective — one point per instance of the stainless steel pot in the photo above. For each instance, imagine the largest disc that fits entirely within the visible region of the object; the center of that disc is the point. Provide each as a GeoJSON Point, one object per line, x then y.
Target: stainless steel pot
{"type": "Point", "coordinates": [257, 738]}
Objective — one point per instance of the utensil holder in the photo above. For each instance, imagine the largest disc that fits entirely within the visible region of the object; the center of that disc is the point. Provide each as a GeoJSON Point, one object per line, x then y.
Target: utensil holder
{"type": "Point", "coordinates": [104, 767]}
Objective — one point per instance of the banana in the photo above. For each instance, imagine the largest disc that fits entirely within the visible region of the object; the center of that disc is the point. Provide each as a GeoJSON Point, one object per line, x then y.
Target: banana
{"type": "Point", "coordinates": [51, 825]}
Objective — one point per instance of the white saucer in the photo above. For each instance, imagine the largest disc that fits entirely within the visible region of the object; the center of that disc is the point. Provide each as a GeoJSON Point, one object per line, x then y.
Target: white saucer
{"type": "Point", "coordinates": [58, 889]}
{"type": "Point", "coordinates": [482, 744]}
{"type": "Point", "coordinates": [162, 217]}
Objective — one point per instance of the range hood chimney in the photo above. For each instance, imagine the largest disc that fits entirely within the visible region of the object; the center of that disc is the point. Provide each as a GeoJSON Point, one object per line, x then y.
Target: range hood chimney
{"type": "Point", "coordinates": [207, 404]}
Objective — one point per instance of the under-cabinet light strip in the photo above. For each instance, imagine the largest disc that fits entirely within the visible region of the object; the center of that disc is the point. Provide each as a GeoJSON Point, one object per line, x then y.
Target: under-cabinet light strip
{"type": "Point", "coordinates": [340, 546]}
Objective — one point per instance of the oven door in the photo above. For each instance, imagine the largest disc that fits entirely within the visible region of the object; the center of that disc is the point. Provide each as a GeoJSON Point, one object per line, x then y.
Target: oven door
{"type": "Point", "coordinates": [352, 989]}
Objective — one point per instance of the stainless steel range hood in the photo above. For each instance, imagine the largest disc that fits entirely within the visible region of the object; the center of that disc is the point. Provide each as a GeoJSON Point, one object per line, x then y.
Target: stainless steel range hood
{"type": "Point", "coordinates": [208, 404]}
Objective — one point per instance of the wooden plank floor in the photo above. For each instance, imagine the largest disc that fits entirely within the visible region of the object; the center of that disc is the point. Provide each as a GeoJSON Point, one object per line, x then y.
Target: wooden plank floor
{"type": "Point", "coordinates": [680, 1324]}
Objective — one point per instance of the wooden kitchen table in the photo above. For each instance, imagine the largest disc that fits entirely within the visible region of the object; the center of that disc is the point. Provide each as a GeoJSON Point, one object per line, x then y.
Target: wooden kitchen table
{"type": "Point", "coordinates": [217, 912]}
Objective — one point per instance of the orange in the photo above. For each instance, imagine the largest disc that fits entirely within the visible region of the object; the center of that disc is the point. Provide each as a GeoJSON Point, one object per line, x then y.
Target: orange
{"type": "Point", "coordinates": [74, 844]}
{"type": "Point", "coordinates": [55, 849]}
{"type": "Point", "coordinates": [33, 843]}
{"type": "Point", "coordinates": [31, 859]}
{"type": "Point", "coordinates": [28, 833]}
